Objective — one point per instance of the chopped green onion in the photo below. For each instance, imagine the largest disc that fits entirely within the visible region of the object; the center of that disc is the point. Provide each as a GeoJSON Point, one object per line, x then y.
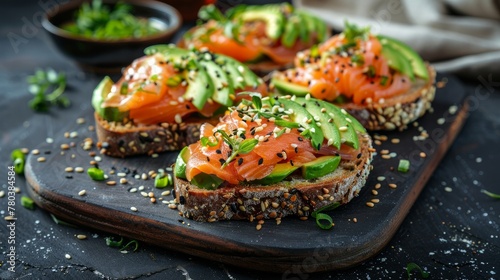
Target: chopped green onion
{"type": "Point", "coordinates": [404, 165]}
{"type": "Point", "coordinates": [96, 173]}
{"type": "Point", "coordinates": [174, 81]}
{"type": "Point", "coordinates": [371, 71]}
{"type": "Point", "coordinates": [412, 266]}
{"type": "Point", "coordinates": [205, 141]}
{"type": "Point", "coordinates": [490, 194]}
{"type": "Point", "coordinates": [133, 242]}
{"type": "Point", "coordinates": [111, 242]}
{"type": "Point", "coordinates": [61, 222]}
{"type": "Point", "coordinates": [161, 180]}
{"type": "Point", "coordinates": [18, 159]}
{"type": "Point", "coordinates": [124, 88]}
{"type": "Point", "coordinates": [27, 202]}
{"type": "Point", "coordinates": [324, 221]}
{"type": "Point", "coordinates": [358, 59]}
{"type": "Point", "coordinates": [383, 80]}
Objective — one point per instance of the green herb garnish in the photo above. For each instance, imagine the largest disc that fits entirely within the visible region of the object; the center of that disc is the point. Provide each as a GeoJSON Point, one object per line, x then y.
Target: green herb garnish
{"type": "Point", "coordinates": [129, 244]}
{"type": "Point", "coordinates": [99, 21]}
{"type": "Point", "coordinates": [237, 147]}
{"type": "Point", "coordinates": [18, 159]}
{"type": "Point", "coordinates": [27, 202]}
{"type": "Point", "coordinates": [490, 194]}
{"type": "Point", "coordinates": [96, 173]}
{"type": "Point", "coordinates": [324, 221]}
{"type": "Point", "coordinates": [412, 266]}
{"type": "Point", "coordinates": [61, 222]}
{"type": "Point", "coordinates": [353, 32]}
{"type": "Point", "coordinates": [358, 59]}
{"type": "Point", "coordinates": [47, 88]}
{"type": "Point", "coordinates": [404, 165]}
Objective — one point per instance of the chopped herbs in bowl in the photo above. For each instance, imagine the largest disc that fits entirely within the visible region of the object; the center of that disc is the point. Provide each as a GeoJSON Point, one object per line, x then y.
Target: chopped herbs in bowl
{"type": "Point", "coordinates": [106, 35]}
{"type": "Point", "coordinates": [99, 21]}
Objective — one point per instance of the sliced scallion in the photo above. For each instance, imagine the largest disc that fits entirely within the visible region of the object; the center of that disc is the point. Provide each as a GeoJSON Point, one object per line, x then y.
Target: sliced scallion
{"type": "Point", "coordinates": [96, 173]}
{"type": "Point", "coordinates": [490, 194]}
{"type": "Point", "coordinates": [412, 266]}
{"type": "Point", "coordinates": [27, 202]}
{"type": "Point", "coordinates": [404, 165]}
{"type": "Point", "coordinates": [18, 159]}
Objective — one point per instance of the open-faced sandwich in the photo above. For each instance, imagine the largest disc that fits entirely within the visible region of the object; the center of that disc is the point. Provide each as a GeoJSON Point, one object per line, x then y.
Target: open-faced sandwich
{"type": "Point", "coordinates": [270, 158]}
{"type": "Point", "coordinates": [381, 81]}
{"type": "Point", "coordinates": [163, 98]}
{"type": "Point", "coordinates": [265, 37]}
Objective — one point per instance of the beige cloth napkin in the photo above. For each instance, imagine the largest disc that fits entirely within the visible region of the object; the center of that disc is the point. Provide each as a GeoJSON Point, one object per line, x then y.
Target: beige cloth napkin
{"type": "Point", "coordinates": [457, 36]}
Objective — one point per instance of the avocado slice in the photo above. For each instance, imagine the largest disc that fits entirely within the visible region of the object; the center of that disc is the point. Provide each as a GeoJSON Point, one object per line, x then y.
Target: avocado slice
{"type": "Point", "coordinates": [100, 93]}
{"type": "Point", "coordinates": [285, 87]}
{"type": "Point", "coordinates": [301, 116]}
{"type": "Point", "coordinates": [418, 65]}
{"type": "Point", "coordinates": [239, 72]}
{"type": "Point", "coordinates": [397, 61]}
{"type": "Point", "coordinates": [180, 163]}
{"type": "Point", "coordinates": [279, 173]}
{"type": "Point", "coordinates": [270, 14]}
{"type": "Point", "coordinates": [200, 88]}
{"type": "Point", "coordinates": [291, 32]}
{"type": "Point", "coordinates": [348, 134]}
{"type": "Point", "coordinates": [223, 87]}
{"type": "Point", "coordinates": [320, 167]}
{"type": "Point", "coordinates": [330, 130]}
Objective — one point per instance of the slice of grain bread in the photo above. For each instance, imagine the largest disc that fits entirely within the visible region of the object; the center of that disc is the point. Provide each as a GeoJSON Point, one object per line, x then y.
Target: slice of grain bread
{"type": "Point", "coordinates": [396, 112]}
{"type": "Point", "coordinates": [291, 197]}
{"type": "Point", "coordinates": [121, 140]}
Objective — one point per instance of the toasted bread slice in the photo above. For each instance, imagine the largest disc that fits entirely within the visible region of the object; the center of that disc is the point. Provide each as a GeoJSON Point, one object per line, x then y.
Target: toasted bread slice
{"type": "Point", "coordinates": [126, 139]}
{"type": "Point", "coordinates": [295, 196]}
{"type": "Point", "coordinates": [398, 111]}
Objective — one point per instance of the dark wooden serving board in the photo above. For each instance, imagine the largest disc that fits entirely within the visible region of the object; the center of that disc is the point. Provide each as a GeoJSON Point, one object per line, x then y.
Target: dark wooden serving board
{"type": "Point", "coordinates": [294, 246]}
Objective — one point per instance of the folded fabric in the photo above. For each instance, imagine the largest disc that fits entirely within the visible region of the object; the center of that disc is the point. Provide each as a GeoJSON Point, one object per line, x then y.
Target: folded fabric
{"type": "Point", "coordinates": [457, 36]}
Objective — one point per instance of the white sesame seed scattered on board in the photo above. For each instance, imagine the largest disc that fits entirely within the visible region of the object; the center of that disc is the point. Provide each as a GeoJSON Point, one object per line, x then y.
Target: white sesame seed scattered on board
{"type": "Point", "coordinates": [82, 192]}
{"type": "Point", "coordinates": [49, 140]}
{"type": "Point", "coordinates": [41, 159]}
{"type": "Point", "coordinates": [110, 183]}
{"type": "Point", "coordinates": [80, 121]}
{"type": "Point", "coordinates": [79, 169]}
{"type": "Point", "coordinates": [393, 186]}
{"type": "Point", "coordinates": [67, 256]}
{"type": "Point", "coordinates": [380, 178]}
{"type": "Point", "coordinates": [133, 209]}
{"type": "Point", "coordinates": [423, 155]}
{"type": "Point", "coordinates": [81, 236]}
{"type": "Point", "coordinates": [123, 181]}
{"type": "Point", "coordinates": [448, 189]}
{"type": "Point", "coordinates": [68, 169]}
{"type": "Point", "coordinates": [73, 134]}
{"type": "Point", "coordinates": [133, 190]}
{"type": "Point", "coordinates": [2, 194]}
{"type": "Point", "coordinates": [35, 152]}
{"type": "Point", "coordinates": [441, 121]}
{"type": "Point", "coordinates": [370, 204]}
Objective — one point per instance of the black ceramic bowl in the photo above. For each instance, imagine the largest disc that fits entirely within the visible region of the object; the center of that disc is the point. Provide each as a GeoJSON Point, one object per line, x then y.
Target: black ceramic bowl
{"type": "Point", "coordinates": [110, 55]}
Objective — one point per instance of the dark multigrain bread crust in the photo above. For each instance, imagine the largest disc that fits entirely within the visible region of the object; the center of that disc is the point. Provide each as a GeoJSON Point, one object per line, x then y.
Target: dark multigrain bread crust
{"type": "Point", "coordinates": [396, 112]}
{"type": "Point", "coordinates": [292, 197]}
{"type": "Point", "coordinates": [121, 140]}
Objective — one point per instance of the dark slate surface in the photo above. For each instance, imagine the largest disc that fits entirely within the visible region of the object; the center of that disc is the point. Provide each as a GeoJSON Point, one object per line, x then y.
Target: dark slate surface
{"type": "Point", "coordinates": [451, 231]}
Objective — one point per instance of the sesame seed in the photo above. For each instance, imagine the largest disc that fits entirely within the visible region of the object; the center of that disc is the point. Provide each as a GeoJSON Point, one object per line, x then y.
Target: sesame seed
{"type": "Point", "coordinates": [395, 140]}
{"type": "Point", "coordinates": [81, 236]}
{"type": "Point", "coordinates": [386, 156]}
{"type": "Point", "coordinates": [133, 209]}
{"type": "Point", "coordinates": [82, 192]}
{"type": "Point", "coordinates": [80, 121]}
{"type": "Point", "coordinates": [378, 186]}
{"type": "Point", "coordinates": [343, 128]}
{"type": "Point", "coordinates": [370, 204]}
{"type": "Point", "coordinates": [41, 159]}
{"type": "Point", "coordinates": [35, 152]}
{"type": "Point", "coordinates": [110, 183]}
{"type": "Point", "coordinates": [374, 192]}
{"type": "Point", "coordinates": [393, 186]}
{"type": "Point", "coordinates": [67, 256]}
{"type": "Point", "coordinates": [375, 200]}
{"type": "Point", "coordinates": [121, 174]}
{"type": "Point", "coordinates": [441, 121]}
{"type": "Point", "coordinates": [2, 194]}
{"type": "Point", "coordinates": [178, 118]}
{"type": "Point", "coordinates": [49, 140]}
{"type": "Point", "coordinates": [68, 169]}
{"type": "Point", "coordinates": [123, 181]}
{"type": "Point", "coordinates": [133, 190]}
{"type": "Point", "coordinates": [165, 193]}
{"type": "Point", "coordinates": [423, 155]}
{"type": "Point", "coordinates": [355, 220]}
{"type": "Point", "coordinates": [380, 178]}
